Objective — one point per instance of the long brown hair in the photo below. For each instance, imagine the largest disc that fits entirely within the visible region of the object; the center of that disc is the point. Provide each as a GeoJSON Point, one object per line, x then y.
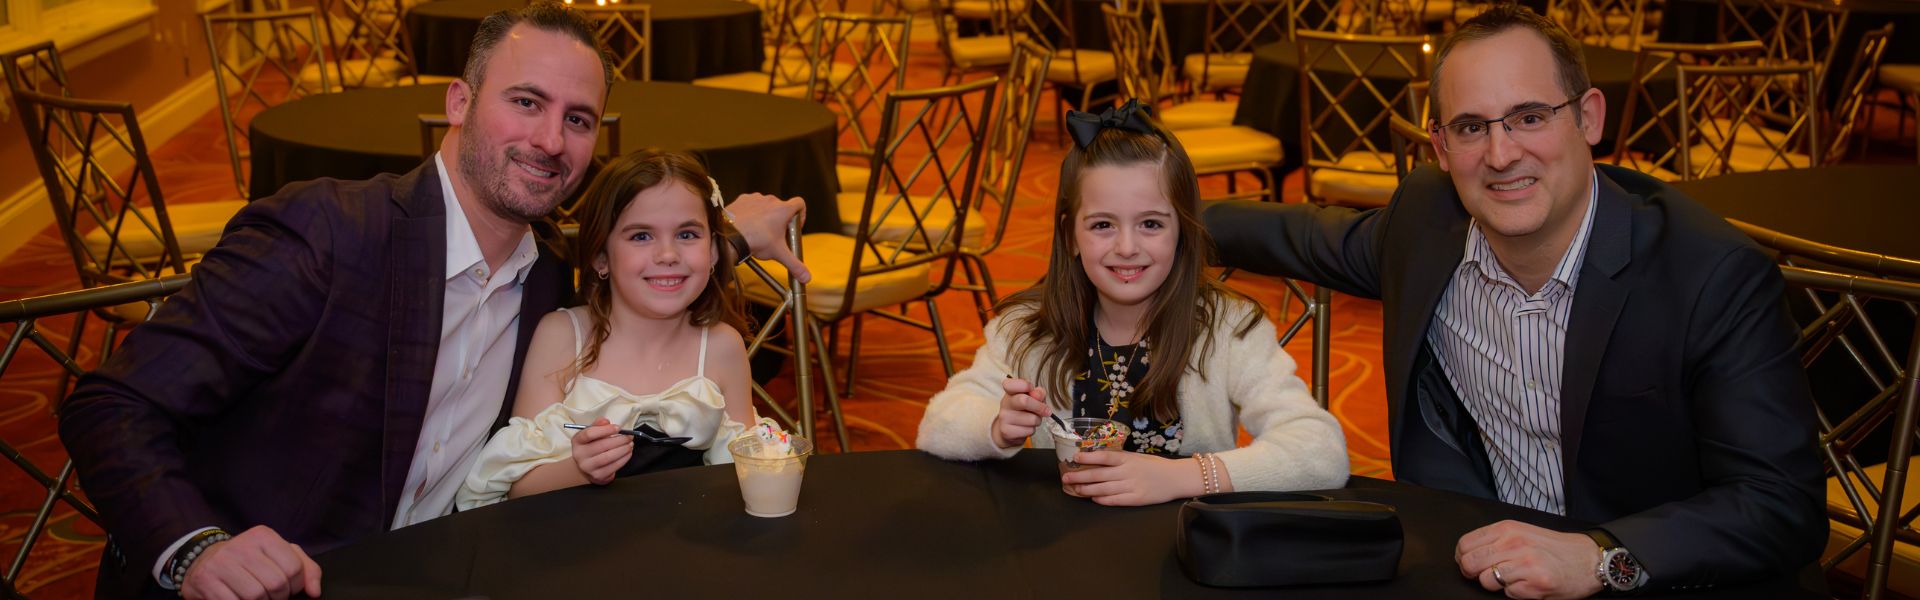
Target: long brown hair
{"type": "Point", "coordinates": [1182, 312]}
{"type": "Point", "coordinates": [599, 211]}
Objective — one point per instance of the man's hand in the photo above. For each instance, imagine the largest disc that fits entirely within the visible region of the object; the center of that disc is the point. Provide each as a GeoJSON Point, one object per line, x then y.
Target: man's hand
{"type": "Point", "coordinates": [1534, 562]}
{"type": "Point", "coordinates": [762, 219]}
{"type": "Point", "coordinates": [599, 451]}
{"type": "Point", "coordinates": [254, 564]}
{"type": "Point", "coordinates": [1133, 479]}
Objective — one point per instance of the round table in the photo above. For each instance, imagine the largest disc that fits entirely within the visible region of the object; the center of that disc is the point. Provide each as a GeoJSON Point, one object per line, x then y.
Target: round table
{"type": "Point", "coordinates": [1271, 99]}
{"type": "Point", "coordinates": [870, 525]}
{"type": "Point", "coordinates": [691, 38]}
{"type": "Point", "coordinates": [1858, 207]}
{"type": "Point", "coordinates": [751, 142]}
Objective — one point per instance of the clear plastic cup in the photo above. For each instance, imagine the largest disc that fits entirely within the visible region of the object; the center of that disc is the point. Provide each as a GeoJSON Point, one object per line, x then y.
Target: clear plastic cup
{"type": "Point", "coordinates": [769, 486]}
{"type": "Point", "coordinates": [1086, 439]}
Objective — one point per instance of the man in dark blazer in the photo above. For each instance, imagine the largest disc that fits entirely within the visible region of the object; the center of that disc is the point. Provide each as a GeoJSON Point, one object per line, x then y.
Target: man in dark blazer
{"type": "Point", "coordinates": [1574, 337]}
{"type": "Point", "coordinates": [276, 406]}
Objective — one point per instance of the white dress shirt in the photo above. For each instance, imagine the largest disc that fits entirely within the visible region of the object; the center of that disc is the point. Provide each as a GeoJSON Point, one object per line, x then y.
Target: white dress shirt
{"type": "Point", "coordinates": [1502, 348]}
{"type": "Point", "coordinates": [478, 322]}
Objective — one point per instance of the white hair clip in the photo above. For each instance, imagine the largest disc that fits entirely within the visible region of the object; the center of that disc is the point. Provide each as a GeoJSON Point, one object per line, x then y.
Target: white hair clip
{"type": "Point", "coordinates": [715, 198]}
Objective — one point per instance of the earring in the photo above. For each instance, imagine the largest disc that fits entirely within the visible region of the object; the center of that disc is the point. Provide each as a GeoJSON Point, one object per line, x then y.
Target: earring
{"type": "Point", "coordinates": [603, 275]}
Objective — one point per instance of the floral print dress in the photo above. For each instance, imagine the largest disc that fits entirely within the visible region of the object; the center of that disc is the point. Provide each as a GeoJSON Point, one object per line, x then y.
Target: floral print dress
{"type": "Point", "coordinates": [1104, 388]}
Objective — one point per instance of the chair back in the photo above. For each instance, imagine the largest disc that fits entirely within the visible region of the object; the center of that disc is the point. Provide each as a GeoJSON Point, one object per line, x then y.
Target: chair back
{"type": "Point", "coordinates": [1412, 141]}
{"type": "Point", "coordinates": [369, 41]}
{"type": "Point", "coordinates": [873, 51]}
{"type": "Point", "coordinates": [115, 226]}
{"type": "Point", "coordinates": [433, 130]}
{"type": "Point", "coordinates": [1051, 23]}
{"type": "Point", "coordinates": [1347, 97]}
{"type": "Point", "coordinates": [1855, 89]}
{"type": "Point", "coordinates": [1748, 118]}
{"type": "Point", "coordinates": [257, 58]}
{"type": "Point", "coordinates": [789, 314]}
{"type": "Point", "coordinates": [1807, 32]}
{"type": "Point", "coordinates": [926, 165]}
{"type": "Point", "coordinates": [36, 68]}
{"type": "Point", "coordinates": [1142, 62]}
{"type": "Point", "coordinates": [28, 316]}
{"type": "Point", "coordinates": [1015, 112]}
{"type": "Point", "coordinates": [1233, 28]}
{"type": "Point", "coordinates": [1392, 17]}
{"type": "Point", "coordinates": [1843, 336]}
{"type": "Point", "coordinates": [1619, 24]}
{"type": "Point", "coordinates": [1325, 15]}
{"type": "Point", "coordinates": [946, 25]}
{"type": "Point", "coordinates": [626, 31]}
{"type": "Point", "coordinates": [1649, 138]}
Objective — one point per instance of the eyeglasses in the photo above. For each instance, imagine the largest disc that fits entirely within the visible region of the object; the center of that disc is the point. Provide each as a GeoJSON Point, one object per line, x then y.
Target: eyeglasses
{"type": "Point", "coordinates": [1471, 135]}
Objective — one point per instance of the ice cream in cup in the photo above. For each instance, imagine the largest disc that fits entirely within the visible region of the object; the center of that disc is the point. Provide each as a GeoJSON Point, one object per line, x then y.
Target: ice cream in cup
{"type": "Point", "coordinates": [770, 463]}
{"type": "Point", "coordinates": [1085, 434]}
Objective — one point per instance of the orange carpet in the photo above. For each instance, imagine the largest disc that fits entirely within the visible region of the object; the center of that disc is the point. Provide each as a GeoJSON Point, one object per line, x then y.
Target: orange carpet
{"type": "Point", "coordinates": [898, 368]}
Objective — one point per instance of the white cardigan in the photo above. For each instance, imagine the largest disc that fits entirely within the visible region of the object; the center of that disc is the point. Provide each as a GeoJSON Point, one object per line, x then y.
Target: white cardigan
{"type": "Point", "coordinates": [1296, 444]}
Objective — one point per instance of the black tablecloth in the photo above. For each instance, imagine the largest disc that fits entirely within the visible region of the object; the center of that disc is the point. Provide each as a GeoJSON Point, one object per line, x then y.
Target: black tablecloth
{"type": "Point", "coordinates": [870, 525]}
{"type": "Point", "coordinates": [1271, 100]}
{"type": "Point", "coordinates": [751, 142]}
{"type": "Point", "coordinates": [1869, 208]}
{"type": "Point", "coordinates": [691, 38]}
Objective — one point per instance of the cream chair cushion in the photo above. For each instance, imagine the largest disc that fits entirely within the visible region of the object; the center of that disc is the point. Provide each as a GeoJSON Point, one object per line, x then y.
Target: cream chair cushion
{"type": "Point", "coordinates": [197, 226]}
{"type": "Point", "coordinates": [1363, 179]}
{"type": "Point", "coordinates": [1747, 159]}
{"type": "Point", "coordinates": [981, 9]}
{"type": "Point", "coordinates": [982, 51]}
{"type": "Point", "coordinates": [853, 178]}
{"type": "Point", "coordinates": [1217, 71]}
{"type": "Point", "coordinates": [898, 225]}
{"type": "Point", "coordinates": [1903, 577]}
{"type": "Point", "coordinates": [1095, 66]}
{"type": "Point", "coordinates": [1215, 147]}
{"type": "Point", "coordinates": [1902, 77]}
{"type": "Point", "coordinates": [1199, 114]}
{"type": "Point", "coordinates": [361, 72]}
{"type": "Point", "coordinates": [828, 257]}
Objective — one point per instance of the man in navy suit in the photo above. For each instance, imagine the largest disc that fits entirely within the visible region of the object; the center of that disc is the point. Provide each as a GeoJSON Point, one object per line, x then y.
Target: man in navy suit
{"type": "Point", "coordinates": [343, 353]}
{"type": "Point", "coordinates": [1576, 338]}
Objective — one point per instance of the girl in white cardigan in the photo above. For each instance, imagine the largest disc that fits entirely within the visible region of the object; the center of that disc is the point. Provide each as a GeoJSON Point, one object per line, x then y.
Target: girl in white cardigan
{"type": "Point", "coordinates": [1127, 325]}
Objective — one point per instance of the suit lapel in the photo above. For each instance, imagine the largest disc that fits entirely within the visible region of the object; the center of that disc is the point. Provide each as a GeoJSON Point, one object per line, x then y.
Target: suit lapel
{"type": "Point", "coordinates": [1597, 300]}
{"type": "Point", "coordinates": [416, 277]}
{"type": "Point", "coordinates": [1429, 268]}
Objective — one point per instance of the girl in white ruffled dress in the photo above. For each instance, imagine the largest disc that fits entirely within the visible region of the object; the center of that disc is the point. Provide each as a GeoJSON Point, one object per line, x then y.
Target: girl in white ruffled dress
{"type": "Point", "coordinates": [659, 341]}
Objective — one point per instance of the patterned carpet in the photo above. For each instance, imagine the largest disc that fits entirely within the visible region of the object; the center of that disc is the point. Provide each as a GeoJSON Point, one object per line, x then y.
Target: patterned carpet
{"type": "Point", "coordinates": [897, 371]}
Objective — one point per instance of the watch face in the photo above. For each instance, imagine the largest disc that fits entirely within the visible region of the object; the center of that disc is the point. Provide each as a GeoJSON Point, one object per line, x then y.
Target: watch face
{"type": "Point", "coordinates": [1622, 570]}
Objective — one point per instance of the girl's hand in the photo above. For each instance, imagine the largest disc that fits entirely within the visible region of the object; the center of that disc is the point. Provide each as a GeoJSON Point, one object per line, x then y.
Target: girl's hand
{"type": "Point", "coordinates": [600, 450]}
{"type": "Point", "coordinates": [1022, 408]}
{"type": "Point", "coordinates": [1119, 478]}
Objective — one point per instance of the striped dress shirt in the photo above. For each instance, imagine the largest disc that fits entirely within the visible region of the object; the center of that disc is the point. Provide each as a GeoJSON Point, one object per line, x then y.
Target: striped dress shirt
{"type": "Point", "coordinates": [1502, 349]}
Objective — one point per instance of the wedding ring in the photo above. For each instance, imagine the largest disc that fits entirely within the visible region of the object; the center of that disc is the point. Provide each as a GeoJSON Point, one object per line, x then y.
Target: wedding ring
{"type": "Point", "coordinates": [1498, 578]}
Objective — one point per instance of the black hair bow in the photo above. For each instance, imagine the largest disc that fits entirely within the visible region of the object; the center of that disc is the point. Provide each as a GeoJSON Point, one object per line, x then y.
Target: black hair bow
{"type": "Point", "coordinates": [1132, 116]}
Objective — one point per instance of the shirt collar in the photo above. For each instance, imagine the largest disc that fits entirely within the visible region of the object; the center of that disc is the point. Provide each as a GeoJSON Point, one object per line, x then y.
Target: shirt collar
{"type": "Point", "coordinates": [1479, 254]}
{"type": "Point", "coordinates": [463, 249]}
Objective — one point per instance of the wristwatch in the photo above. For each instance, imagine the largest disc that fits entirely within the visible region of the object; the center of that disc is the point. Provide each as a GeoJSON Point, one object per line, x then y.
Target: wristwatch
{"type": "Point", "coordinates": [1617, 571]}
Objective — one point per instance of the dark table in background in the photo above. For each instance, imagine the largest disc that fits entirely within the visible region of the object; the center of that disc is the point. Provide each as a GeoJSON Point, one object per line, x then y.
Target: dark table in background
{"type": "Point", "coordinates": [870, 525]}
{"type": "Point", "coordinates": [691, 38]}
{"type": "Point", "coordinates": [1869, 208]}
{"type": "Point", "coordinates": [1271, 100]}
{"type": "Point", "coordinates": [751, 142]}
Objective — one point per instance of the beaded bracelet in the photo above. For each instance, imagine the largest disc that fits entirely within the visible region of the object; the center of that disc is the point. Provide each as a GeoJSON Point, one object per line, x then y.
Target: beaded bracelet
{"type": "Point", "coordinates": [183, 560]}
{"type": "Point", "coordinates": [1209, 482]}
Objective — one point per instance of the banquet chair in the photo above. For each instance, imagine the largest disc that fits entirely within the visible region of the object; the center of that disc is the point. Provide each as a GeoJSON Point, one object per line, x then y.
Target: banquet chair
{"type": "Point", "coordinates": [1868, 398]}
{"type": "Point", "coordinates": [875, 49]}
{"type": "Point", "coordinates": [1748, 118]}
{"type": "Point", "coordinates": [433, 127]}
{"type": "Point", "coordinates": [626, 32]}
{"type": "Point", "coordinates": [27, 317]}
{"type": "Point", "coordinates": [1412, 141]}
{"type": "Point", "coordinates": [1233, 29]}
{"type": "Point", "coordinates": [1649, 138]}
{"type": "Point", "coordinates": [790, 28]}
{"type": "Point", "coordinates": [1018, 108]}
{"type": "Point", "coordinates": [1344, 112]}
{"type": "Point", "coordinates": [370, 46]}
{"type": "Point", "coordinates": [926, 160]}
{"type": "Point", "coordinates": [253, 54]}
{"type": "Point", "coordinates": [1854, 91]}
{"type": "Point", "coordinates": [789, 320]}
{"type": "Point", "coordinates": [986, 52]}
{"type": "Point", "coordinates": [1617, 24]}
{"type": "Point", "coordinates": [1073, 67]}
{"type": "Point", "coordinates": [1139, 48]}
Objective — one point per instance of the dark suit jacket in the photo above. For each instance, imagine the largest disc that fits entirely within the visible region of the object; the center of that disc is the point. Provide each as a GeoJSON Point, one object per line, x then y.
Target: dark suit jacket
{"type": "Point", "coordinates": [1686, 423]}
{"type": "Point", "coordinates": [287, 384]}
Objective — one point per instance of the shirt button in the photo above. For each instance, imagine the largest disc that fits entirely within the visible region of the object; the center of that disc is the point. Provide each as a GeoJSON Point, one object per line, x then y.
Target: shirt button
{"type": "Point", "coordinates": [436, 446]}
{"type": "Point", "coordinates": [1533, 385]}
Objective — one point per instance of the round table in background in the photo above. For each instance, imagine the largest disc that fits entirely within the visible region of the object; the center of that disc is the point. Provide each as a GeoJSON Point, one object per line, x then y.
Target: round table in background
{"type": "Point", "coordinates": [691, 38]}
{"type": "Point", "coordinates": [1868, 208]}
{"type": "Point", "coordinates": [1271, 99]}
{"type": "Point", "coordinates": [750, 142]}
{"type": "Point", "coordinates": [871, 525]}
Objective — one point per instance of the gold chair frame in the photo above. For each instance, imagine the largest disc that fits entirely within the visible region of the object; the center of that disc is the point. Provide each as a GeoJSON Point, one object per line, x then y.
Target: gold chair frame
{"type": "Point", "coordinates": [626, 31]}
{"type": "Point", "coordinates": [1720, 106]}
{"type": "Point", "coordinates": [1233, 29]}
{"type": "Point", "coordinates": [1659, 62]}
{"type": "Point", "coordinates": [1018, 107]}
{"type": "Point", "coordinates": [375, 30]}
{"type": "Point", "coordinates": [877, 47]}
{"type": "Point", "coordinates": [1855, 89]}
{"type": "Point", "coordinates": [1322, 104]}
{"type": "Point", "coordinates": [269, 43]}
{"type": "Point", "coordinates": [1602, 22]}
